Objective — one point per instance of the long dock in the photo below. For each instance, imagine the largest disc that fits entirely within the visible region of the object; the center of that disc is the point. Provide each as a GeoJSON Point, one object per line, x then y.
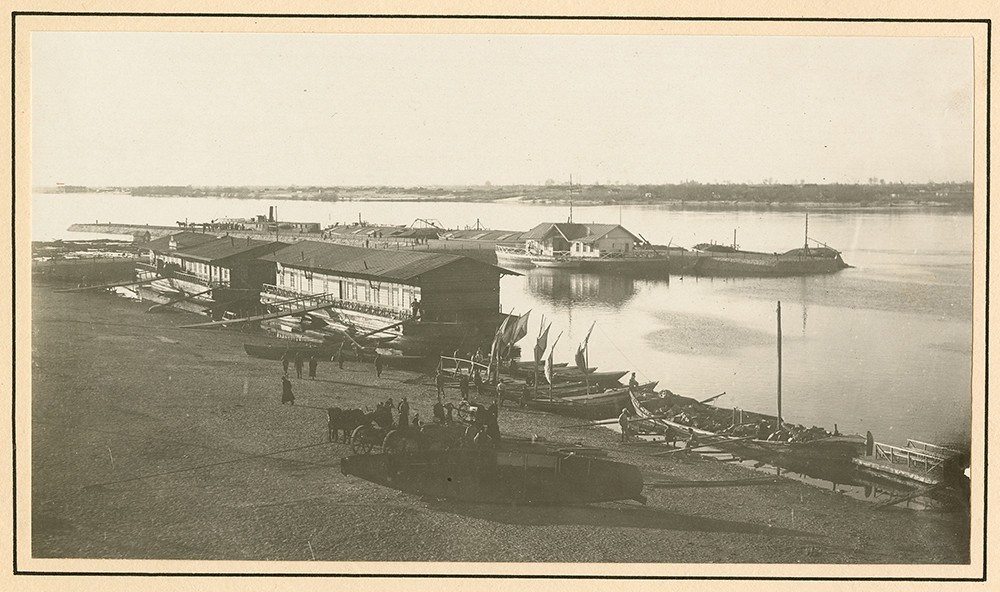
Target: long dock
{"type": "Point", "coordinates": [482, 250]}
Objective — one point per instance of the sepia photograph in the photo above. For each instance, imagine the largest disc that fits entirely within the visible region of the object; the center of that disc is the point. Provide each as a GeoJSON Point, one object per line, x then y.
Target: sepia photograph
{"type": "Point", "coordinates": [370, 295]}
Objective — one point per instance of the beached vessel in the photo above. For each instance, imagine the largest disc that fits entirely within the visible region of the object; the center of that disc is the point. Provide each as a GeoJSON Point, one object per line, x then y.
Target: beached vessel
{"type": "Point", "coordinates": [501, 476]}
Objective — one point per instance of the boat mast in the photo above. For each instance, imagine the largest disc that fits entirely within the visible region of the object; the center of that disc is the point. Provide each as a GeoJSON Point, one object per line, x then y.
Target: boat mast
{"type": "Point", "coordinates": [779, 366]}
{"type": "Point", "coordinates": [805, 245]}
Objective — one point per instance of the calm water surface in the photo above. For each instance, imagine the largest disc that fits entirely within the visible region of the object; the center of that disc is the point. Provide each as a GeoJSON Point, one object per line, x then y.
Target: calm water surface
{"type": "Point", "coordinates": [885, 346]}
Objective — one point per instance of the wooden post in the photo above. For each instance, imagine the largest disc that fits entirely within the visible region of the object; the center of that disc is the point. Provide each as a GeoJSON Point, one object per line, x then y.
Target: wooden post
{"type": "Point", "coordinates": [779, 365]}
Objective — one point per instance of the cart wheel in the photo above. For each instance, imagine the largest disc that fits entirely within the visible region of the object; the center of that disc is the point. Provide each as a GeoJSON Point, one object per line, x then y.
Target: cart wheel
{"type": "Point", "coordinates": [400, 442]}
{"type": "Point", "coordinates": [361, 443]}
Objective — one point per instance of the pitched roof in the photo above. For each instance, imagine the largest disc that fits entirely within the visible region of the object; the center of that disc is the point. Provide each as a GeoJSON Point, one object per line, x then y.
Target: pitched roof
{"type": "Point", "coordinates": [227, 247]}
{"type": "Point", "coordinates": [365, 263]}
{"type": "Point", "coordinates": [182, 239]}
{"type": "Point", "coordinates": [572, 231]}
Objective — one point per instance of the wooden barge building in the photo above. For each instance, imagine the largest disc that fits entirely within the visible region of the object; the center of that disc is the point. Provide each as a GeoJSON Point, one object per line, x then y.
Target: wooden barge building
{"type": "Point", "coordinates": [426, 303]}
{"type": "Point", "coordinates": [201, 273]}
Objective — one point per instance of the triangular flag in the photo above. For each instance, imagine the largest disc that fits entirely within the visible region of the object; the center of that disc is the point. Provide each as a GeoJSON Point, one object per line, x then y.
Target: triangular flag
{"type": "Point", "coordinates": [540, 345]}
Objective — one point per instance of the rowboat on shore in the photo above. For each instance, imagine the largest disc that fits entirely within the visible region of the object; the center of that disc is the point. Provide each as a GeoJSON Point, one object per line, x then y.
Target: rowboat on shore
{"type": "Point", "coordinates": [599, 405]}
{"type": "Point", "coordinates": [755, 437]}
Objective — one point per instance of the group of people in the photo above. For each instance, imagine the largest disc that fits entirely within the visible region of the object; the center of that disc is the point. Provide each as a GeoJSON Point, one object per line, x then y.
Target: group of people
{"type": "Point", "coordinates": [299, 361]}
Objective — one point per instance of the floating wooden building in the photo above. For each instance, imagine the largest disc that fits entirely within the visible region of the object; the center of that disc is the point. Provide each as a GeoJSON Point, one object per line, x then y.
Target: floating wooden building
{"type": "Point", "coordinates": [205, 273]}
{"type": "Point", "coordinates": [427, 302]}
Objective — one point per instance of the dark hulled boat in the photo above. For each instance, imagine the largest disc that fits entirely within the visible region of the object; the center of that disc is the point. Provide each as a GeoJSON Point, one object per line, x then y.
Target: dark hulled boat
{"type": "Point", "coordinates": [501, 476]}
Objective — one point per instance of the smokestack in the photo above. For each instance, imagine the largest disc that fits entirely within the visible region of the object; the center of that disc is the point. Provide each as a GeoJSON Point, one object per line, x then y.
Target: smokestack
{"type": "Point", "coordinates": [270, 214]}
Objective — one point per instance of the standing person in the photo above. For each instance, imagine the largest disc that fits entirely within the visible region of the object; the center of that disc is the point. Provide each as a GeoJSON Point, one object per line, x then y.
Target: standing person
{"type": "Point", "coordinates": [492, 421]}
{"type": "Point", "coordinates": [340, 356]}
{"type": "Point", "coordinates": [463, 385]}
{"type": "Point", "coordinates": [378, 365]}
{"type": "Point", "coordinates": [633, 383]}
{"type": "Point", "coordinates": [404, 413]}
{"type": "Point", "coordinates": [285, 359]}
{"type": "Point", "coordinates": [313, 363]}
{"type": "Point", "coordinates": [439, 382]}
{"type": "Point", "coordinates": [286, 391]}
{"type": "Point", "coordinates": [623, 423]}
{"type": "Point", "coordinates": [477, 378]}
{"type": "Point", "coordinates": [298, 365]}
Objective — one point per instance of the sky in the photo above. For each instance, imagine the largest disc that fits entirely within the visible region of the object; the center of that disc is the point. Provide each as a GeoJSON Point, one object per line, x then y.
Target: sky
{"type": "Point", "coordinates": [119, 108]}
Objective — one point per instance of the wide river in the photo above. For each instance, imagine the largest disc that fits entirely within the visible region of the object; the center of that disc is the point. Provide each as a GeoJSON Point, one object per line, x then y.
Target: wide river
{"type": "Point", "coordinates": [884, 346]}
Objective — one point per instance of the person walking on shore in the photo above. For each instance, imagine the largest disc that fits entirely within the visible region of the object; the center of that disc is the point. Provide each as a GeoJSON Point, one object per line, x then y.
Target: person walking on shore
{"type": "Point", "coordinates": [623, 423]}
{"type": "Point", "coordinates": [378, 365]}
{"type": "Point", "coordinates": [298, 366]}
{"type": "Point", "coordinates": [404, 413]}
{"type": "Point", "coordinates": [439, 383]}
{"type": "Point", "coordinates": [477, 378]}
{"type": "Point", "coordinates": [286, 391]}
{"type": "Point", "coordinates": [313, 363]}
{"type": "Point", "coordinates": [340, 356]}
{"type": "Point", "coordinates": [285, 359]}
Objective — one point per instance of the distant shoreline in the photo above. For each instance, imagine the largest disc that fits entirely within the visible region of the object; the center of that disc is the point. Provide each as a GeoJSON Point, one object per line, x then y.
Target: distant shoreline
{"type": "Point", "coordinates": [718, 204]}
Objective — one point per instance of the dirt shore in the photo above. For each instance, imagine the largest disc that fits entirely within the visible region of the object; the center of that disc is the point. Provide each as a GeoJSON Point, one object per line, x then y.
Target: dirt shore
{"type": "Point", "coordinates": [154, 442]}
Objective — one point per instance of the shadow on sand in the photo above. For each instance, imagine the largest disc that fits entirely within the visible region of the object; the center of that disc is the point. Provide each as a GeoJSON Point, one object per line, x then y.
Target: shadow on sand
{"type": "Point", "coordinates": [622, 517]}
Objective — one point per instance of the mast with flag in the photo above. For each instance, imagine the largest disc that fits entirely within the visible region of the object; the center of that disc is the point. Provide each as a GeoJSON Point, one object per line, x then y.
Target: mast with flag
{"type": "Point", "coordinates": [582, 361]}
{"type": "Point", "coordinates": [541, 344]}
{"type": "Point", "coordinates": [548, 364]}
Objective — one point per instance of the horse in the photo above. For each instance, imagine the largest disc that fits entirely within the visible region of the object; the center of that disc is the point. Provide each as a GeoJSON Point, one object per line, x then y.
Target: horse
{"type": "Point", "coordinates": [343, 421]}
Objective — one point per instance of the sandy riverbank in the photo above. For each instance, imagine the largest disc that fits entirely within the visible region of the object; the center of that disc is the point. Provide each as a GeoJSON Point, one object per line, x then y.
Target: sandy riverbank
{"type": "Point", "coordinates": [148, 442]}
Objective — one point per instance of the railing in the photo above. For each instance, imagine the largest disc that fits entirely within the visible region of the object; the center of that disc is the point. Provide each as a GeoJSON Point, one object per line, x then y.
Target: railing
{"type": "Point", "coordinates": [511, 249]}
{"type": "Point", "coordinates": [456, 369]}
{"type": "Point", "coordinates": [912, 457]}
{"type": "Point", "coordinates": [310, 300]}
{"type": "Point", "coordinates": [931, 448]}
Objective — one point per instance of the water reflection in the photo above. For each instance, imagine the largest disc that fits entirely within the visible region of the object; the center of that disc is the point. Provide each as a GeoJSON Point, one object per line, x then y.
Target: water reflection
{"type": "Point", "coordinates": [564, 288]}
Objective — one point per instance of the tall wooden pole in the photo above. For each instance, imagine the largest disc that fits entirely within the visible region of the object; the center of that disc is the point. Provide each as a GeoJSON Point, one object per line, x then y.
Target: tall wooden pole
{"type": "Point", "coordinates": [779, 365]}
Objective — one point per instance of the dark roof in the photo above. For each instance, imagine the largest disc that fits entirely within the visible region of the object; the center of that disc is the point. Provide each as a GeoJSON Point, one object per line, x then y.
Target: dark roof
{"type": "Point", "coordinates": [366, 263]}
{"type": "Point", "coordinates": [483, 235]}
{"type": "Point", "coordinates": [183, 239]}
{"type": "Point", "coordinates": [228, 247]}
{"type": "Point", "coordinates": [572, 231]}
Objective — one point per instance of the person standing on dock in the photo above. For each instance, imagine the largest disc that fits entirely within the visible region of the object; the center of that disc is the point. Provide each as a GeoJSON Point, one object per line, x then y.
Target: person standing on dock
{"type": "Point", "coordinates": [298, 365]}
{"type": "Point", "coordinates": [286, 391]}
{"type": "Point", "coordinates": [378, 365]}
{"type": "Point", "coordinates": [623, 421]}
{"type": "Point", "coordinates": [313, 363]}
{"type": "Point", "coordinates": [285, 359]}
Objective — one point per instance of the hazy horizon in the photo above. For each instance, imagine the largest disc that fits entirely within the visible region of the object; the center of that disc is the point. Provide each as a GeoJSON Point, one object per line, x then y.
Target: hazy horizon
{"type": "Point", "coordinates": [239, 109]}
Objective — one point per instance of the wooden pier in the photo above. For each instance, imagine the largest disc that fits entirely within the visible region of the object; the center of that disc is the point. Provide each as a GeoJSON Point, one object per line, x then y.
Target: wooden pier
{"type": "Point", "coordinates": [917, 461]}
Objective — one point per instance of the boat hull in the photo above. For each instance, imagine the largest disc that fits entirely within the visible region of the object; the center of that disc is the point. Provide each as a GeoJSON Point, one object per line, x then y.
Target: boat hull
{"type": "Point", "coordinates": [499, 476]}
{"type": "Point", "coordinates": [806, 457]}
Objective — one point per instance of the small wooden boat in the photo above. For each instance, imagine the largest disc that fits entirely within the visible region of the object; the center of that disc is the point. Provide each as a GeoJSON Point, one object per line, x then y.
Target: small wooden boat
{"type": "Point", "coordinates": [600, 405]}
{"type": "Point", "coordinates": [594, 378]}
{"type": "Point", "coordinates": [501, 476]}
{"type": "Point", "coordinates": [799, 454]}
